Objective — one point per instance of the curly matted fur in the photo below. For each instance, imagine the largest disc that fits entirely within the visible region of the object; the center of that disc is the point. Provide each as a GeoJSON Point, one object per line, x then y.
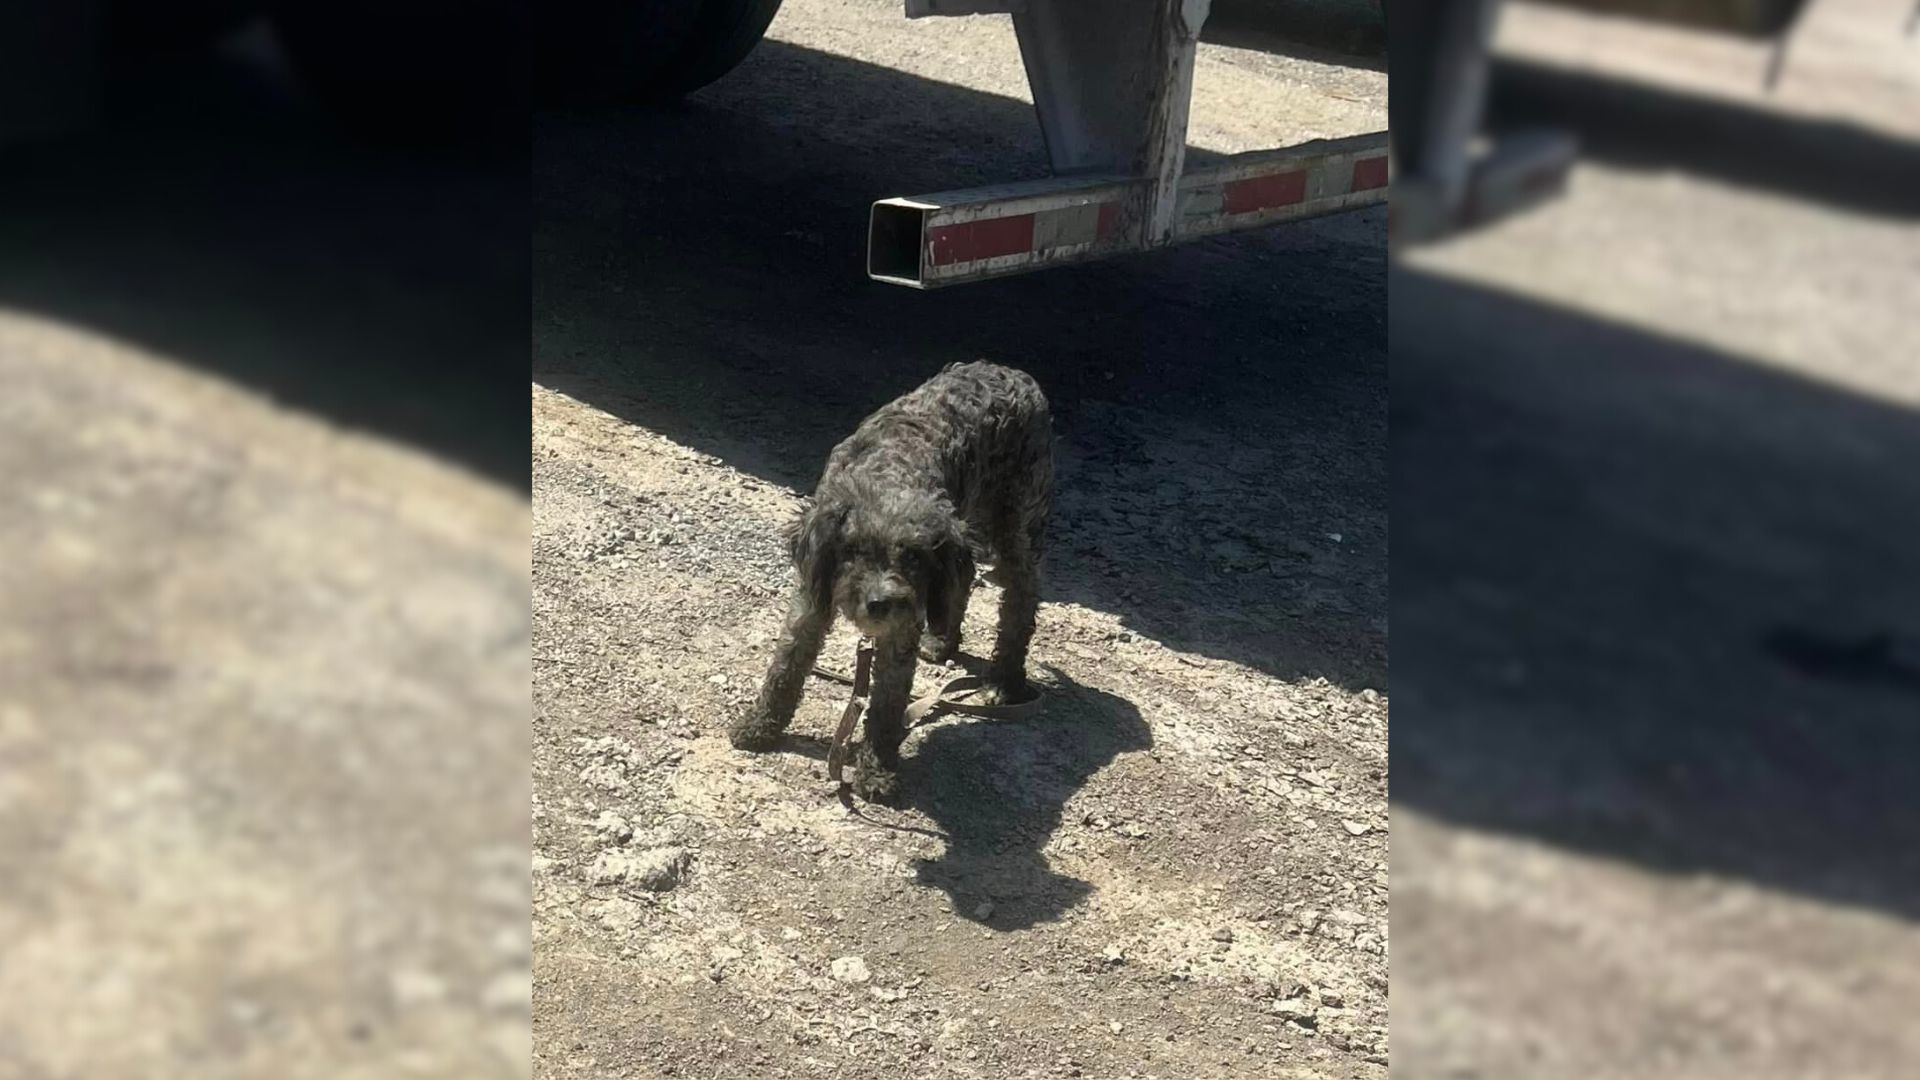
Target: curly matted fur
{"type": "Point", "coordinates": [964, 463]}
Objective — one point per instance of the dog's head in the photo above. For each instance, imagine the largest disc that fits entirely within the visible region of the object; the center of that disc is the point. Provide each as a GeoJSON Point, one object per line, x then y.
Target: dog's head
{"type": "Point", "coordinates": [888, 560]}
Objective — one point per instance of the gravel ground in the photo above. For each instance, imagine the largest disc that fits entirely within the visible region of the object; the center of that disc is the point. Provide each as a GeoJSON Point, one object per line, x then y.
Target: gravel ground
{"type": "Point", "coordinates": [1179, 867]}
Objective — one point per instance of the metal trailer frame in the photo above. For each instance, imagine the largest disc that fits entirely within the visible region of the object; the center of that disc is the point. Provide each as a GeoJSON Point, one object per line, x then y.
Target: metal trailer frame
{"type": "Point", "coordinates": [1439, 53]}
{"type": "Point", "coordinates": [1112, 83]}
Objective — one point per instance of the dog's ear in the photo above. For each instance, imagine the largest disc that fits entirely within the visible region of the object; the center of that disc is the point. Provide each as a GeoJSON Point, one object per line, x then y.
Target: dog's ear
{"type": "Point", "coordinates": [952, 577]}
{"type": "Point", "coordinates": [813, 539]}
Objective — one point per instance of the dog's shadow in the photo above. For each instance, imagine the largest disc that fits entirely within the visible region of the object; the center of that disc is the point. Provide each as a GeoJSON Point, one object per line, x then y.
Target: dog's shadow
{"type": "Point", "coordinates": [997, 789]}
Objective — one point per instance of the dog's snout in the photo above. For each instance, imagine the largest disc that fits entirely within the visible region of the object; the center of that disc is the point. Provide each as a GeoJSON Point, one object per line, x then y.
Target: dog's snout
{"type": "Point", "coordinates": [886, 597]}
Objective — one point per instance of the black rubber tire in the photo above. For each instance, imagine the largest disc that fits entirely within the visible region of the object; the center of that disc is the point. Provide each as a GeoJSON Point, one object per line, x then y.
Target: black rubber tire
{"type": "Point", "coordinates": [140, 32]}
{"type": "Point", "coordinates": [432, 71]}
{"type": "Point", "coordinates": [606, 52]}
{"type": "Point", "coordinates": [723, 34]}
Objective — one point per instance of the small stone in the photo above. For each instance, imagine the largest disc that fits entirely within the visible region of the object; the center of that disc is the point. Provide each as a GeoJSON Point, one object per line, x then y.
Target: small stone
{"type": "Point", "coordinates": [984, 911]}
{"type": "Point", "coordinates": [413, 987]}
{"type": "Point", "coordinates": [248, 1013]}
{"type": "Point", "coordinates": [1223, 934]}
{"type": "Point", "coordinates": [509, 992]}
{"type": "Point", "coordinates": [513, 943]}
{"type": "Point", "coordinates": [606, 776]}
{"type": "Point", "coordinates": [656, 869]}
{"type": "Point", "coordinates": [1113, 954]}
{"type": "Point", "coordinates": [1291, 988]}
{"type": "Point", "coordinates": [851, 970]}
{"type": "Point", "coordinates": [613, 827]}
{"type": "Point", "coordinates": [1356, 828]}
{"type": "Point", "coordinates": [1298, 1011]}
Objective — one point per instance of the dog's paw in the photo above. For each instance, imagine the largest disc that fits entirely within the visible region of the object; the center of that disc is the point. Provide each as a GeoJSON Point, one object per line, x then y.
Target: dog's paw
{"type": "Point", "coordinates": [1003, 691]}
{"type": "Point", "coordinates": [754, 731]}
{"type": "Point", "coordinates": [873, 781]}
{"type": "Point", "coordinates": [935, 649]}
{"type": "Point", "coordinates": [878, 786]}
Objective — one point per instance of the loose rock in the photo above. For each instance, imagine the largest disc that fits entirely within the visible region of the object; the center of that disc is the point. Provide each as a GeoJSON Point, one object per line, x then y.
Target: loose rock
{"type": "Point", "coordinates": [851, 970]}
{"type": "Point", "coordinates": [656, 869]}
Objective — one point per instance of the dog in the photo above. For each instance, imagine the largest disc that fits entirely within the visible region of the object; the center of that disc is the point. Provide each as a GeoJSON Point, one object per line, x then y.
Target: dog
{"type": "Point", "coordinates": [962, 464]}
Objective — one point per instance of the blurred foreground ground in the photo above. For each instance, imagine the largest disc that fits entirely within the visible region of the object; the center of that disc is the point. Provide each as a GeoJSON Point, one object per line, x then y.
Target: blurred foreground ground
{"type": "Point", "coordinates": [1657, 751]}
{"type": "Point", "coordinates": [263, 612]}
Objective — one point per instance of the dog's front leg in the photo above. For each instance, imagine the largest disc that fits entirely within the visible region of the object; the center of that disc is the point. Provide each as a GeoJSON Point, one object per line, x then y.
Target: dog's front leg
{"type": "Point", "coordinates": [793, 660]}
{"type": "Point", "coordinates": [941, 642]}
{"type": "Point", "coordinates": [878, 760]}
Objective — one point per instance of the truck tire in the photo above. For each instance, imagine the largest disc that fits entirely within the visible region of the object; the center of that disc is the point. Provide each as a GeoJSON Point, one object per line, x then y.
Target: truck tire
{"type": "Point", "coordinates": [603, 52]}
{"type": "Point", "coordinates": [141, 32]}
{"type": "Point", "coordinates": [723, 34]}
{"type": "Point", "coordinates": [420, 70]}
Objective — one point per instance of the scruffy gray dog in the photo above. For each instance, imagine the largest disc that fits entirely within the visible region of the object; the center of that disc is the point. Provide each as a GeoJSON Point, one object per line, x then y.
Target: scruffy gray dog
{"type": "Point", "coordinates": [963, 463]}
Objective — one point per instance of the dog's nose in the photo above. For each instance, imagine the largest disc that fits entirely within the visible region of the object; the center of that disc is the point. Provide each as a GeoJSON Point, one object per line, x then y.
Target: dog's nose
{"type": "Point", "coordinates": [878, 606]}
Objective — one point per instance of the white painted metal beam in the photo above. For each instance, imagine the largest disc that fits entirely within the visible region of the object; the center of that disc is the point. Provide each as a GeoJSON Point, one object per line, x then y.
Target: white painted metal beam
{"type": "Point", "coordinates": [949, 238]}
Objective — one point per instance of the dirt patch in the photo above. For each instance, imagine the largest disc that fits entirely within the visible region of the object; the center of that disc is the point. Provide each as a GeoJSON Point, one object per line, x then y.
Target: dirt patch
{"type": "Point", "coordinates": [1179, 866]}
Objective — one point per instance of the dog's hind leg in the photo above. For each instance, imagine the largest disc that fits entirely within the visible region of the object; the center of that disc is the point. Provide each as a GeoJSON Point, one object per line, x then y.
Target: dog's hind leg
{"type": "Point", "coordinates": [879, 756]}
{"type": "Point", "coordinates": [1019, 531]}
{"type": "Point", "coordinates": [1019, 574]}
{"type": "Point", "coordinates": [793, 660]}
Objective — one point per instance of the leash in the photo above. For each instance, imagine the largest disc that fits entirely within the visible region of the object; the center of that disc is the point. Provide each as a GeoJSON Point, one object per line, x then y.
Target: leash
{"type": "Point", "coordinates": [862, 676]}
{"type": "Point", "coordinates": [950, 697]}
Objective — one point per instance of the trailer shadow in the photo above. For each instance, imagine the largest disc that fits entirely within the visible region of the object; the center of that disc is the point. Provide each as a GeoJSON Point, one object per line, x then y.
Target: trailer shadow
{"type": "Point", "coordinates": [217, 218]}
{"type": "Point", "coordinates": [1221, 408]}
{"type": "Point", "coordinates": [1654, 602]}
{"type": "Point", "coordinates": [1832, 162]}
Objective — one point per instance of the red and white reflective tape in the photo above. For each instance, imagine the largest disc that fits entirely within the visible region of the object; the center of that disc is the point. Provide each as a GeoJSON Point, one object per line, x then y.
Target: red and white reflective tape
{"type": "Point", "coordinates": [948, 238]}
{"type": "Point", "coordinates": [943, 239]}
{"type": "Point", "coordinates": [1073, 228]}
{"type": "Point", "coordinates": [1283, 185]}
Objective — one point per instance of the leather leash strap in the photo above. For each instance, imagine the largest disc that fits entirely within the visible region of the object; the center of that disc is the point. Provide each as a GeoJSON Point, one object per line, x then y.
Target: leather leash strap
{"type": "Point", "coordinates": [862, 678]}
{"type": "Point", "coordinates": [950, 697]}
